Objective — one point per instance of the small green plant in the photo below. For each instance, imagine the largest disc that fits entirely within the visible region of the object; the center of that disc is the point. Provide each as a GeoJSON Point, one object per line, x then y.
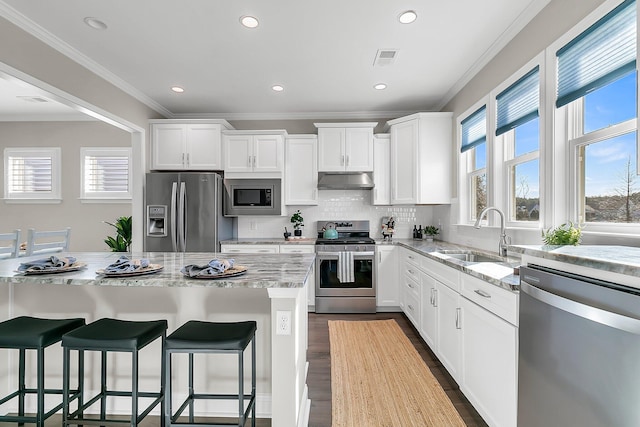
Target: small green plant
{"type": "Point", "coordinates": [431, 230]}
{"type": "Point", "coordinates": [297, 220]}
{"type": "Point", "coordinates": [565, 234]}
{"type": "Point", "coordinates": [122, 241]}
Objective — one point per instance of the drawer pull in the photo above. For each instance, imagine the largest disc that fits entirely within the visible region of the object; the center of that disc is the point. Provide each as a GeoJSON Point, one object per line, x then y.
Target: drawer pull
{"type": "Point", "coordinates": [458, 326]}
{"type": "Point", "coordinates": [410, 271]}
{"type": "Point", "coordinates": [482, 293]}
{"type": "Point", "coordinates": [410, 307]}
{"type": "Point", "coordinates": [410, 257]}
{"type": "Point", "coordinates": [409, 284]}
{"type": "Point", "coordinates": [435, 297]}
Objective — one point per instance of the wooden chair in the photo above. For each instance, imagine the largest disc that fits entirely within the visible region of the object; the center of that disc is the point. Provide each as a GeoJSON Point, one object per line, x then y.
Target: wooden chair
{"type": "Point", "coordinates": [50, 241]}
{"type": "Point", "coordinates": [10, 244]}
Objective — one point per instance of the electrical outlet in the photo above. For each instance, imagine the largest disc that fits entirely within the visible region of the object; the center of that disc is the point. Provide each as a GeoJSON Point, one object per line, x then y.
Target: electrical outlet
{"type": "Point", "coordinates": [283, 323]}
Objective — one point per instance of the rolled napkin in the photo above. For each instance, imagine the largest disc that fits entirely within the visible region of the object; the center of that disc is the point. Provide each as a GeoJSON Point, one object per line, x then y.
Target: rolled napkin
{"type": "Point", "coordinates": [125, 265]}
{"type": "Point", "coordinates": [215, 266]}
{"type": "Point", "coordinates": [51, 263]}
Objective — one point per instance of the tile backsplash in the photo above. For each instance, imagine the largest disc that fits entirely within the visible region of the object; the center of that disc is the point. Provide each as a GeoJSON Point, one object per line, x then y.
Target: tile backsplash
{"type": "Point", "coordinates": [338, 205]}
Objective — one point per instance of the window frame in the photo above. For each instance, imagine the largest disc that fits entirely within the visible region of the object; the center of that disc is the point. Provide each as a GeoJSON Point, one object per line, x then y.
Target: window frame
{"type": "Point", "coordinates": [105, 196]}
{"type": "Point", "coordinates": [53, 196]}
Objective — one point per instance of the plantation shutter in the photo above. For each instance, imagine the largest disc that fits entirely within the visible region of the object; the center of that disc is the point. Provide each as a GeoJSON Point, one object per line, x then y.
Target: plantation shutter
{"type": "Point", "coordinates": [519, 103]}
{"type": "Point", "coordinates": [599, 55]}
{"type": "Point", "coordinates": [29, 174]}
{"type": "Point", "coordinates": [106, 174]}
{"type": "Point", "coordinates": [474, 129]}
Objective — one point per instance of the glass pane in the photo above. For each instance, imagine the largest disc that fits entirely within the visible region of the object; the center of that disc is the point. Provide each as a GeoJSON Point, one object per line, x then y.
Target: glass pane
{"type": "Point", "coordinates": [611, 104]}
{"type": "Point", "coordinates": [479, 194]}
{"type": "Point", "coordinates": [610, 181]}
{"type": "Point", "coordinates": [527, 137]}
{"type": "Point", "coordinates": [362, 271]}
{"type": "Point", "coordinates": [525, 191]}
{"type": "Point", "coordinates": [480, 157]}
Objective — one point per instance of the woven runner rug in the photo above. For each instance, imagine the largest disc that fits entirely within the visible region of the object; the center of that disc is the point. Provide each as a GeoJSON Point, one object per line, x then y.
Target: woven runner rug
{"type": "Point", "coordinates": [378, 379]}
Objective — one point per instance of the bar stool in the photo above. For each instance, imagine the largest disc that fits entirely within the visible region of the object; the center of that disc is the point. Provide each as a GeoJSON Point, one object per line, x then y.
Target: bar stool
{"type": "Point", "coordinates": [210, 337]}
{"type": "Point", "coordinates": [113, 335]}
{"type": "Point", "coordinates": [32, 333]}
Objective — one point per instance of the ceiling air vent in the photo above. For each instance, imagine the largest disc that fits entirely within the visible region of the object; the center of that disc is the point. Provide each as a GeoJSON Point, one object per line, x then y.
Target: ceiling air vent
{"type": "Point", "coordinates": [385, 57]}
{"type": "Point", "coordinates": [35, 99]}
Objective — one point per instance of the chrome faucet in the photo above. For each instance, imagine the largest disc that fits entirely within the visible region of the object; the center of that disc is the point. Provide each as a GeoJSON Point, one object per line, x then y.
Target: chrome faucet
{"type": "Point", "coordinates": [504, 240]}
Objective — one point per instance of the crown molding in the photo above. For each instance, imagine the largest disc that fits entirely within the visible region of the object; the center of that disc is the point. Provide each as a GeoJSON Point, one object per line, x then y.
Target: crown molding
{"type": "Point", "coordinates": [516, 26]}
{"type": "Point", "coordinates": [335, 115]}
{"type": "Point", "coordinates": [61, 46]}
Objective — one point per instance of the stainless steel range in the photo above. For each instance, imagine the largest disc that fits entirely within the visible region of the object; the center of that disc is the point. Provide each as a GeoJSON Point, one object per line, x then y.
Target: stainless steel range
{"type": "Point", "coordinates": [345, 268]}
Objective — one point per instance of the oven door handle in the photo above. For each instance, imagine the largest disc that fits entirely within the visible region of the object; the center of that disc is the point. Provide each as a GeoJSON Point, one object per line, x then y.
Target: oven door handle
{"type": "Point", "coordinates": [355, 254]}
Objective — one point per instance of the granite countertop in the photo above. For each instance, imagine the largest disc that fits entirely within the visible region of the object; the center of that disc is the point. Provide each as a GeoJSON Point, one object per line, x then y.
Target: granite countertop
{"type": "Point", "coordinates": [270, 241]}
{"type": "Point", "coordinates": [498, 273]}
{"type": "Point", "coordinates": [616, 259]}
{"type": "Point", "coordinates": [263, 271]}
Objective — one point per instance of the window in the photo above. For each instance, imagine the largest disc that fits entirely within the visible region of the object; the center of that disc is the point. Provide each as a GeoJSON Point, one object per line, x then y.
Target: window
{"type": "Point", "coordinates": [519, 135]}
{"type": "Point", "coordinates": [32, 173]}
{"type": "Point", "coordinates": [597, 83]}
{"type": "Point", "coordinates": [474, 136]}
{"type": "Point", "coordinates": [106, 173]}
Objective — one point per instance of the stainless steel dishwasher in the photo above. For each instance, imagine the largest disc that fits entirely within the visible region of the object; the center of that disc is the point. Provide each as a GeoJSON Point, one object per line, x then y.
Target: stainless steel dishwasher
{"type": "Point", "coordinates": [579, 362]}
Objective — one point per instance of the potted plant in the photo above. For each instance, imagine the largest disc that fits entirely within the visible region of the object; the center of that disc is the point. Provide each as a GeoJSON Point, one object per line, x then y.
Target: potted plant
{"type": "Point", "coordinates": [565, 234]}
{"type": "Point", "coordinates": [122, 241]}
{"type": "Point", "coordinates": [298, 221]}
{"type": "Point", "coordinates": [430, 231]}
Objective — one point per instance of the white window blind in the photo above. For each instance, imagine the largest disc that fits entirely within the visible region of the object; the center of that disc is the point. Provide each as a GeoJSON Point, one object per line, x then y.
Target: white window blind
{"type": "Point", "coordinates": [32, 173]}
{"type": "Point", "coordinates": [599, 55]}
{"type": "Point", "coordinates": [474, 129]}
{"type": "Point", "coordinates": [519, 102]}
{"type": "Point", "coordinates": [106, 172]}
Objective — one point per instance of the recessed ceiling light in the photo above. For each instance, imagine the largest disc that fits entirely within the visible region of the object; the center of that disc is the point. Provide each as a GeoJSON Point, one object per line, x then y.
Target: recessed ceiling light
{"type": "Point", "coordinates": [249, 21]}
{"type": "Point", "coordinates": [277, 88]}
{"type": "Point", "coordinates": [177, 89]}
{"type": "Point", "coordinates": [95, 23]}
{"type": "Point", "coordinates": [407, 17]}
{"type": "Point", "coordinates": [380, 86]}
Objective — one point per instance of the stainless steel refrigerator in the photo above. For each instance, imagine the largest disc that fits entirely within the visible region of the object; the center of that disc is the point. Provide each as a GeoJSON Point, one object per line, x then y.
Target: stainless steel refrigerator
{"type": "Point", "coordinates": [183, 212]}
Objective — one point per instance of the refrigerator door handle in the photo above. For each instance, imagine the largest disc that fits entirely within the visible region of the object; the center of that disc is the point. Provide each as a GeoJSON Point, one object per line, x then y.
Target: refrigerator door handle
{"type": "Point", "coordinates": [182, 219]}
{"type": "Point", "coordinates": [174, 223]}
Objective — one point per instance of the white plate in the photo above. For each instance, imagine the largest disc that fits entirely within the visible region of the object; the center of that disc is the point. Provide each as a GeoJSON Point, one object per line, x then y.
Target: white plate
{"type": "Point", "coordinates": [73, 267]}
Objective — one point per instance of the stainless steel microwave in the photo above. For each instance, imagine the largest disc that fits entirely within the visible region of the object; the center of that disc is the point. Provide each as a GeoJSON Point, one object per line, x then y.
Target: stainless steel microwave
{"type": "Point", "coordinates": [252, 197]}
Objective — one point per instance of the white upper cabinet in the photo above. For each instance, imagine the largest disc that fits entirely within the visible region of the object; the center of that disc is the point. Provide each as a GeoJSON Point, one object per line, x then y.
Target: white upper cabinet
{"type": "Point", "coordinates": [420, 155]}
{"type": "Point", "coordinates": [253, 151]}
{"type": "Point", "coordinates": [301, 170]}
{"type": "Point", "coordinates": [345, 147]}
{"type": "Point", "coordinates": [381, 193]}
{"type": "Point", "coordinates": [177, 145]}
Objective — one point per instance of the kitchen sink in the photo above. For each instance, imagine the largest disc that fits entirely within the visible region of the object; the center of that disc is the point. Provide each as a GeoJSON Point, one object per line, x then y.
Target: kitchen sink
{"type": "Point", "coordinates": [470, 256]}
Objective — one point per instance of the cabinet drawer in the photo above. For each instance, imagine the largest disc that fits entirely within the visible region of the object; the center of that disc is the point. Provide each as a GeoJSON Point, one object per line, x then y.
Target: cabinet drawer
{"type": "Point", "coordinates": [497, 300]}
{"type": "Point", "coordinates": [297, 249]}
{"type": "Point", "coordinates": [412, 308]}
{"type": "Point", "coordinates": [411, 286]}
{"type": "Point", "coordinates": [412, 258]}
{"type": "Point", "coordinates": [447, 275]}
{"type": "Point", "coordinates": [250, 249]}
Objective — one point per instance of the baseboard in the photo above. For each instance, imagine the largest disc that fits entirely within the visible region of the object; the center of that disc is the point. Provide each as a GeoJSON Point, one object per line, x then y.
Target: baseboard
{"type": "Point", "coordinates": [388, 309]}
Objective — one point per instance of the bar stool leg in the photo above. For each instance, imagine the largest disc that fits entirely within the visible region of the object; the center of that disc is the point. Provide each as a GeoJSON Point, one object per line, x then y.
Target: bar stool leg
{"type": "Point", "coordinates": [163, 381]}
{"type": "Point", "coordinates": [134, 388]}
{"type": "Point", "coordinates": [40, 391]}
{"type": "Point", "coordinates": [80, 382]}
{"type": "Point", "coordinates": [191, 387]}
{"type": "Point", "coordinates": [65, 387]}
{"type": "Point", "coordinates": [253, 381]}
{"type": "Point", "coordinates": [103, 385]}
{"type": "Point", "coordinates": [21, 383]}
{"type": "Point", "coordinates": [167, 395]}
{"type": "Point", "coordinates": [241, 388]}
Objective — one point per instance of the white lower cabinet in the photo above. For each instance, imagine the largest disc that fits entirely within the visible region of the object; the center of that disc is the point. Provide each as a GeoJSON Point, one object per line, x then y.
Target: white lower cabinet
{"type": "Point", "coordinates": [489, 365]}
{"type": "Point", "coordinates": [449, 336]}
{"type": "Point", "coordinates": [387, 291]}
{"type": "Point", "coordinates": [429, 323]}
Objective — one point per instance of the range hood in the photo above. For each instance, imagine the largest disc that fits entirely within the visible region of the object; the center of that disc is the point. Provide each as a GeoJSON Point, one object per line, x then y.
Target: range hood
{"type": "Point", "coordinates": [345, 180]}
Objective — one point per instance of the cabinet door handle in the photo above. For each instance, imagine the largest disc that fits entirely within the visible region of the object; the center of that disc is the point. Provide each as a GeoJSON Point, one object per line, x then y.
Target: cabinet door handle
{"type": "Point", "coordinates": [431, 297]}
{"type": "Point", "coordinates": [347, 160]}
{"type": "Point", "coordinates": [342, 160]}
{"type": "Point", "coordinates": [435, 297]}
{"type": "Point", "coordinates": [482, 293]}
{"type": "Point", "coordinates": [183, 162]}
{"type": "Point", "coordinates": [254, 161]}
{"type": "Point", "coordinates": [249, 161]}
{"type": "Point", "coordinates": [188, 160]}
{"type": "Point", "coordinates": [458, 325]}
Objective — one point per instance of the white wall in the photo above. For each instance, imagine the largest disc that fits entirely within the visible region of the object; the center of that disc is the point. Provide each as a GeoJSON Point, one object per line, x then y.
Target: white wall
{"type": "Point", "coordinates": [87, 229]}
{"type": "Point", "coordinates": [339, 205]}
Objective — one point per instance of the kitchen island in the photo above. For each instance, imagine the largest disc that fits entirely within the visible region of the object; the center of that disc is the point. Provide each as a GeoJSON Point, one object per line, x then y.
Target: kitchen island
{"type": "Point", "coordinates": [272, 284]}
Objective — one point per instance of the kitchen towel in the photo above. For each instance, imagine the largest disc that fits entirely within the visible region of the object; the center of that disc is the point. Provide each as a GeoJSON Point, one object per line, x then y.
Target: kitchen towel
{"type": "Point", "coordinates": [125, 265]}
{"type": "Point", "coordinates": [215, 266]}
{"type": "Point", "coordinates": [51, 263]}
{"type": "Point", "coordinates": [345, 267]}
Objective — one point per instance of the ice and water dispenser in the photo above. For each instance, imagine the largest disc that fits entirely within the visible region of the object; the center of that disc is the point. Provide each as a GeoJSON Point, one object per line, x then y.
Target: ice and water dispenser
{"type": "Point", "coordinates": [156, 220]}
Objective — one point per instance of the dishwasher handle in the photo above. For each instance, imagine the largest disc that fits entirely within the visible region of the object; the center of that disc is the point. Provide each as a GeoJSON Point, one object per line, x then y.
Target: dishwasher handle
{"type": "Point", "coordinates": [598, 315]}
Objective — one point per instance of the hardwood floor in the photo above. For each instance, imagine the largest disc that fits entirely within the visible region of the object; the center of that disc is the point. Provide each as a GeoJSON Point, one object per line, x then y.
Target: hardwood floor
{"type": "Point", "coordinates": [319, 379]}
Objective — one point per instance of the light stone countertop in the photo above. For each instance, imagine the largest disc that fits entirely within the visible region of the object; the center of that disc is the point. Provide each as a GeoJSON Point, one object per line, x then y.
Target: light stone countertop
{"type": "Point", "coordinates": [616, 259]}
{"type": "Point", "coordinates": [263, 271]}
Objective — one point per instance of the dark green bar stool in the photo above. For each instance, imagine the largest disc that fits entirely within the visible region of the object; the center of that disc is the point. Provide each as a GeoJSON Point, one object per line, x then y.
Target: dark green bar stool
{"type": "Point", "coordinates": [210, 337]}
{"type": "Point", "coordinates": [32, 333]}
{"type": "Point", "coordinates": [114, 335]}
